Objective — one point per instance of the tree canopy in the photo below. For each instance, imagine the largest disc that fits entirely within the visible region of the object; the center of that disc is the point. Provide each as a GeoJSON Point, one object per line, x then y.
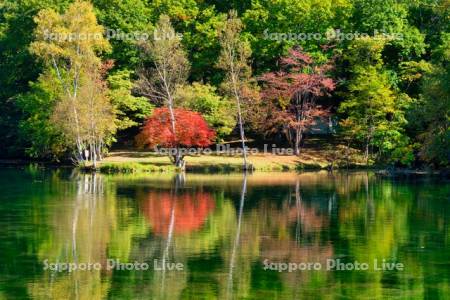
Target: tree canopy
{"type": "Point", "coordinates": [387, 59]}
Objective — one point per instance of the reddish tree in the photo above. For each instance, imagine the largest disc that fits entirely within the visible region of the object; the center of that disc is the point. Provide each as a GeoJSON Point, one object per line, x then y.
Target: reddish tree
{"type": "Point", "coordinates": [191, 131]}
{"type": "Point", "coordinates": [291, 95]}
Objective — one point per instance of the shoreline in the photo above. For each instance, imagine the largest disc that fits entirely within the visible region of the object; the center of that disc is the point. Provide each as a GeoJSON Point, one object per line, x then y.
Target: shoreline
{"type": "Point", "coordinates": [123, 162]}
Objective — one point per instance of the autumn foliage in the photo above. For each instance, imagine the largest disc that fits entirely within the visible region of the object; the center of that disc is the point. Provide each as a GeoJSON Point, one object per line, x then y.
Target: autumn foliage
{"type": "Point", "coordinates": [298, 75]}
{"type": "Point", "coordinates": [291, 95]}
{"type": "Point", "coordinates": [191, 130]}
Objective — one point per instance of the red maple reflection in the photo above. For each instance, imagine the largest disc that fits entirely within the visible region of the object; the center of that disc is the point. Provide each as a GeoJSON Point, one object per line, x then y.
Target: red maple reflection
{"type": "Point", "coordinates": [190, 211]}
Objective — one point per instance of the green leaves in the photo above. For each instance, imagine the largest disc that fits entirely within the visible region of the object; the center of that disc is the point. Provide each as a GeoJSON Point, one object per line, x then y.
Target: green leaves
{"type": "Point", "coordinates": [70, 36]}
{"type": "Point", "coordinates": [41, 138]}
{"type": "Point", "coordinates": [122, 17]}
{"type": "Point", "coordinates": [219, 112]}
{"type": "Point", "coordinates": [372, 112]}
{"type": "Point", "coordinates": [131, 111]}
{"type": "Point", "coordinates": [434, 111]}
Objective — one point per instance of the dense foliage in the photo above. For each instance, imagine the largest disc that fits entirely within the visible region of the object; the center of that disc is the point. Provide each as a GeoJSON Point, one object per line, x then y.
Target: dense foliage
{"type": "Point", "coordinates": [191, 130]}
{"type": "Point", "coordinates": [390, 73]}
{"type": "Point", "coordinates": [295, 90]}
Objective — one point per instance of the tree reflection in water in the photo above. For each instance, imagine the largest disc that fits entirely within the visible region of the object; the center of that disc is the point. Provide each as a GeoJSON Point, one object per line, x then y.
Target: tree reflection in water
{"type": "Point", "coordinates": [222, 231]}
{"type": "Point", "coordinates": [237, 237]}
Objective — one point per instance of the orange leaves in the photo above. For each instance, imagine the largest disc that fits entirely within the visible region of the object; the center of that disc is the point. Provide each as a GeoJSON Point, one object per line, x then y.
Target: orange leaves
{"type": "Point", "coordinates": [191, 130]}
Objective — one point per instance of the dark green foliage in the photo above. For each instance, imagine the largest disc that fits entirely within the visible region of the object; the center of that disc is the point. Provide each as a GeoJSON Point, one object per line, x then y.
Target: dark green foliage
{"type": "Point", "coordinates": [123, 17]}
{"type": "Point", "coordinates": [35, 131]}
{"type": "Point", "coordinates": [434, 113]}
{"type": "Point", "coordinates": [131, 110]}
{"type": "Point", "coordinates": [17, 66]}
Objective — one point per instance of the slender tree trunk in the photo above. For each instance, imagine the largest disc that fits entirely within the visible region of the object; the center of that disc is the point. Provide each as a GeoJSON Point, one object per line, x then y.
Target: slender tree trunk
{"type": "Point", "coordinates": [241, 125]}
{"type": "Point", "coordinates": [79, 155]}
{"type": "Point", "coordinates": [298, 140]}
{"type": "Point", "coordinates": [178, 159]}
{"type": "Point", "coordinates": [172, 116]}
{"type": "Point", "coordinates": [169, 239]}
{"type": "Point", "coordinates": [299, 118]}
{"type": "Point", "coordinates": [99, 150]}
{"type": "Point", "coordinates": [241, 130]}
{"type": "Point", "coordinates": [94, 156]}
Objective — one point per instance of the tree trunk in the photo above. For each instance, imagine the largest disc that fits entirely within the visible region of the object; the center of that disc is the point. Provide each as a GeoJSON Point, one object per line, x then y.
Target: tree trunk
{"type": "Point", "coordinates": [178, 160]}
{"type": "Point", "coordinates": [98, 150]}
{"type": "Point", "coordinates": [181, 164]}
{"type": "Point", "coordinates": [241, 129]}
{"type": "Point", "coordinates": [172, 118]}
{"type": "Point", "coordinates": [94, 156]}
{"type": "Point", "coordinates": [366, 154]}
{"type": "Point", "coordinates": [298, 140]}
{"type": "Point", "coordinates": [298, 116]}
{"type": "Point", "coordinates": [241, 125]}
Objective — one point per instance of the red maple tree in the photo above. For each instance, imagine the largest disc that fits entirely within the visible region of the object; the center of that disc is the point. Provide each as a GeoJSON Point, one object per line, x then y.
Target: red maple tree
{"type": "Point", "coordinates": [291, 95]}
{"type": "Point", "coordinates": [191, 130]}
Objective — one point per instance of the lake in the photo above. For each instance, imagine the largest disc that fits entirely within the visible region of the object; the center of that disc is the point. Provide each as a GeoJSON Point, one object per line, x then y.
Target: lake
{"type": "Point", "coordinates": [66, 235]}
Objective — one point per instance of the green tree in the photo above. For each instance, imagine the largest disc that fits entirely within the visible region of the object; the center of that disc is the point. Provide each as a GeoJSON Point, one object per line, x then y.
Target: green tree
{"type": "Point", "coordinates": [200, 37]}
{"type": "Point", "coordinates": [234, 60]}
{"type": "Point", "coordinates": [434, 109]}
{"type": "Point", "coordinates": [39, 136]}
{"type": "Point", "coordinates": [268, 24]}
{"type": "Point", "coordinates": [123, 19]}
{"type": "Point", "coordinates": [431, 17]}
{"type": "Point", "coordinates": [199, 23]}
{"type": "Point", "coordinates": [373, 112]}
{"type": "Point", "coordinates": [17, 66]}
{"type": "Point", "coordinates": [69, 44]}
{"type": "Point", "coordinates": [181, 11]}
{"type": "Point", "coordinates": [94, 118]}
{"type": "Point", "coordinates": [165, 67]}
{"type": "Point", "coordinates": [131, 110]}
{"type": "Point", "coordinates": [219, 112]}
{"type": "Point", "coordinates": [389, 17]}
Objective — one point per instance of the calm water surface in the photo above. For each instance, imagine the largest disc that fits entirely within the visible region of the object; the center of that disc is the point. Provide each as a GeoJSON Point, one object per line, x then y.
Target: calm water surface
{"type": "Point", "coordinates": [229, 234]}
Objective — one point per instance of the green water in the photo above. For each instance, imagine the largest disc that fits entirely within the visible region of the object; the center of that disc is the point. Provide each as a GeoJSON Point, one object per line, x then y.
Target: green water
{"type": "Point", "coordinates": [225, 232]}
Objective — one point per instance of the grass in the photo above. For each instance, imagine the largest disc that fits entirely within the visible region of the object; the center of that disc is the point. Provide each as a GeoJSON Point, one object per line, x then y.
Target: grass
{"type": "Point", "coordinates": [316, 154]}
{"type": "Point", "coordinates": [129, 162]}
{"type": "Point", "coordinates": [132, 167]}
{"type": "Point", "coordinates": [144, 161]}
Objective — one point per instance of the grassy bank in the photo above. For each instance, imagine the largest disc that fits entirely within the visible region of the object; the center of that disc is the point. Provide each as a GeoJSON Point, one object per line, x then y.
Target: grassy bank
{"type": "Point", "coordinates": [136, 161]}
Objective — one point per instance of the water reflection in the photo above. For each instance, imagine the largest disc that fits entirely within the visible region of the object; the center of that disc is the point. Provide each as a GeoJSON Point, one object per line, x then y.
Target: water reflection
{"type": "Point", "coordinates": [177, 213]}
{"type": "Point", "coordinates": [236, 238]}
{"type": "Point", "coordinates": [80, 233]}
{"type": "Point", "coordinates": [221, 228]}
